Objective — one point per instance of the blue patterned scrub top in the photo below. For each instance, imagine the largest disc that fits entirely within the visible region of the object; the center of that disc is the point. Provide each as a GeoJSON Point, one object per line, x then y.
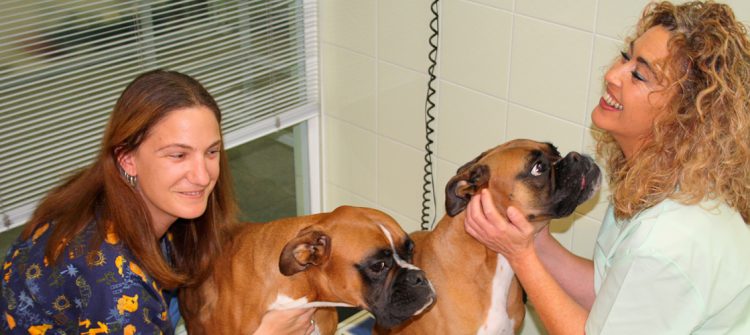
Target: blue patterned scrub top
{"type": "Point", "coordinates": [87, 292]}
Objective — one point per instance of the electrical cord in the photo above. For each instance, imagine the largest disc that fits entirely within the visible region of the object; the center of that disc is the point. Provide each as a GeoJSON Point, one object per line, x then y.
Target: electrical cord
{"type": "Point", "coordinates": [428, 188]}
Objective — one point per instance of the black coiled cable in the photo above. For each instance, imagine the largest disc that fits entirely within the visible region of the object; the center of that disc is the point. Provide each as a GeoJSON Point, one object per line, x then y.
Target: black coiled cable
{"type": "Point", "coordinates": [428, 188]}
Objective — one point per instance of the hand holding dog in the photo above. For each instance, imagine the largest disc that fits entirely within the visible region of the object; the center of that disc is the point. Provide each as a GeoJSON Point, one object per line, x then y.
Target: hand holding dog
{"type": "Point", "coordinates": [290, 321]}
{"type": "Point", "coordinates": [512, 237]}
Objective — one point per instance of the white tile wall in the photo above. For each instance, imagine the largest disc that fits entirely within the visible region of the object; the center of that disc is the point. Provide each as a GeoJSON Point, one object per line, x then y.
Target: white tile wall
{"type": "Point", "coordinates": [499, 4]}
{"type": "Point", "coordinates": [617, 18]}
{"type": "Point", "coordinates": [468, 123]}
{"type": "Point", "coordinates": [507, 69]}
{"type": "Point", "coordinates": [475, 46]}
{"type": "Point", "coordinates": [336, 196]}
{"type": "Point", "coordinates": [741, 9]}
{"type": "Point", "coordinates": [401, 104]}
{"type": "Point", "coordinates": [529, 123]}
{"type": "Point", "coordinates": [350, 159]}
{"type": "Point", "coordinates": [402, 27]}
{"type": "Point", "coordinates": [550, 68]}
{"type": "Point", "coordinates": [351, 24]}
{"type": "Point", "coordinates": [399, 180]}
{"type": "Point", "coordinates": [349, 92]}
{"type": "Point", "coordinates": [573, 13]}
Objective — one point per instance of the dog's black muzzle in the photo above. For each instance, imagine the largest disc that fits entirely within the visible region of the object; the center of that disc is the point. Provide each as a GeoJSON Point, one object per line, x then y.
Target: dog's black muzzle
{"type": "Point", "coordinates": [577, 177]}
{"type": "Point", "coordinates": [410, 293]}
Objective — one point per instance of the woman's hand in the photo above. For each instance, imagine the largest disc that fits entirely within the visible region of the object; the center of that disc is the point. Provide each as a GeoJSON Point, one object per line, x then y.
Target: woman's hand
{"type": "Point", "coordinates": [512, 237]}
{"type": "Point", "coordinates": [289, 321]}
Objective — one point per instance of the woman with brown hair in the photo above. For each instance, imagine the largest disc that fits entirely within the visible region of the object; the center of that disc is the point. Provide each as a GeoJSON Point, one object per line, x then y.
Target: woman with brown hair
{"type": "Point", "coordinates": [672, 253]}
{"type": "Point", "coordinates": [106, 250]}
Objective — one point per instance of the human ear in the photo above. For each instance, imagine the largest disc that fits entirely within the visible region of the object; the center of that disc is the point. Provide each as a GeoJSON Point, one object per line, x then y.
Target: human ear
{"type": "Point", "coordinates": [126, 161]}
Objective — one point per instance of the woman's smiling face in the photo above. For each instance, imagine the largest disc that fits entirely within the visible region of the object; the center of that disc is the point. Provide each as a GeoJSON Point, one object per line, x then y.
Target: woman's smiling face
{"type": "Point", "coordinates": [177, 165]}
{"type": "Point", "coordinates": [635, 93]}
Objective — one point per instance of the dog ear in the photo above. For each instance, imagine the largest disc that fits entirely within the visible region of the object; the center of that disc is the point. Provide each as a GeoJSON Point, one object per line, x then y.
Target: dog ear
{"type": "Point", "coordinates": [462, 186]}
{"type": "Point", "coordinates": [466, 166]}
{"type": "Point", "coordinates": [310, 247]}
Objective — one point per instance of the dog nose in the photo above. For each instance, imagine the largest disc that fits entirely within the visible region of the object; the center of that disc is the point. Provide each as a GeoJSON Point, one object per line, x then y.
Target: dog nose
{"type": "Point", "coordinates": [416, 278]}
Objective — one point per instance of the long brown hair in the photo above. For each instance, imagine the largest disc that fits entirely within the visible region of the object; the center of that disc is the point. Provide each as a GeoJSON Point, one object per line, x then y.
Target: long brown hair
{"type": "Point", "coordinates": [699, 147]}
{"type": "Point", "coordinates": [100, 194]}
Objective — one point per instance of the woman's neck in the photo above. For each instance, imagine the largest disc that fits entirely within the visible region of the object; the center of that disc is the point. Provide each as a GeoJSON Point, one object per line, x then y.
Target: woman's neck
{"type": "Point", "coordinates": [161, 225]}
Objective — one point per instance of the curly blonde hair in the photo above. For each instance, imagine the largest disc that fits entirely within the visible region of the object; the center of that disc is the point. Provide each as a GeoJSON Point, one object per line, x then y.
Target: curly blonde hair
{"type": "Point", "coordinates": [698, 147]}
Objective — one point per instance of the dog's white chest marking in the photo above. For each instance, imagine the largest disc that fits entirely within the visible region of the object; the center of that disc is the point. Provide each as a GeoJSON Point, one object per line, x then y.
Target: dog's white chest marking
{"type": "Point", "coordinates": [498, 322]}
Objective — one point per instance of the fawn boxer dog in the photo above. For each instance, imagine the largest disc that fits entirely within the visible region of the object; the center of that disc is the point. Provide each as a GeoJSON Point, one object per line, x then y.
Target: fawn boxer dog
{"type": "Point", "coordinates": [349, 257]}
{"type": "Point", "coordinates": [477, 291]}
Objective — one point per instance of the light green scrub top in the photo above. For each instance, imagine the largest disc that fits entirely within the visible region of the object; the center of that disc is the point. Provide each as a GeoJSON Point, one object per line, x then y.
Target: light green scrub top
{"type": "Point", "coordinates": [672, 269]}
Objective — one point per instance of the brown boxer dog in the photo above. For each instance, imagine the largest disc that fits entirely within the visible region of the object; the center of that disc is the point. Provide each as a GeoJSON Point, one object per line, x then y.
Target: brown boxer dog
{"type": "Point", "coordinates": [477, 291]}
{"type": "Point", "coordinates": [349, 257]}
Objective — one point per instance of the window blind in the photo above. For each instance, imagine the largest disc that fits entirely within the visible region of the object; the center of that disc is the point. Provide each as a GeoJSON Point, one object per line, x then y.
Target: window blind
{"type": "Point", "coordinates": [63, 65]}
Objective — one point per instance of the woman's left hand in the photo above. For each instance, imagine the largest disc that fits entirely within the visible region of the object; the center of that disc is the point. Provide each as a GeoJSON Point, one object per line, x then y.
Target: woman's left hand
{"type": "Point", "coordinates": [512, 237]}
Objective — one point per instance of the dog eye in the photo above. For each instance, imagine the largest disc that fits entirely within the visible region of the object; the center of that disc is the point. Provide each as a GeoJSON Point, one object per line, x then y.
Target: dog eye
{"type": "Point", "coordinates": [409, 247]}
{"type": "Point", "coordinates": [538, 169]}
{"type": "Point", "coordinates": [377, 267]}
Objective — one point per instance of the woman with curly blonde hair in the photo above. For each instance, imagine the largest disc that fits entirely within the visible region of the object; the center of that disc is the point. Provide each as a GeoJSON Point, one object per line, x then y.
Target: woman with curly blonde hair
{"type": "Point", "coordinates": [699, 144]}
{"type": "Point", "coordinates": [672, 252]}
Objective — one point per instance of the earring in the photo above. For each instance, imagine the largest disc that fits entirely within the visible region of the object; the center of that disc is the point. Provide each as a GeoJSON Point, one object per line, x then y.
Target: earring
{"type": "Point", "coordinates": [132, 180]}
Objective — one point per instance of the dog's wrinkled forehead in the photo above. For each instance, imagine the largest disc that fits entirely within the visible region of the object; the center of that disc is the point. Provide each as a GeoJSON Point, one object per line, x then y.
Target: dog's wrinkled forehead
{"type": "Point", "coordinates": [367, 226]}
{"type": "Point", "coordinates": [520, 150]}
